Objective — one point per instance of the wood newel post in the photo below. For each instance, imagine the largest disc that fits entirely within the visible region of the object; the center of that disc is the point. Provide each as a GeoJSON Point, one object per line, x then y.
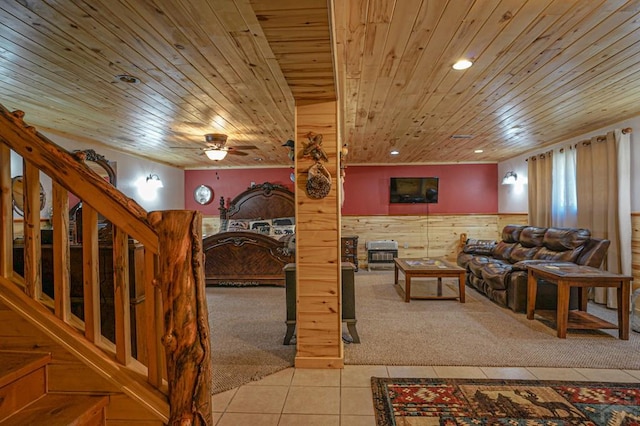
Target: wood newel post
{"type": "Point", "coordinates": [186, 323]}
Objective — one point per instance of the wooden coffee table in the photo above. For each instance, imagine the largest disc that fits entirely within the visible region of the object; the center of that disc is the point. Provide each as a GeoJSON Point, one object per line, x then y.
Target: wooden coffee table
{"type": "Point", "coordinates": [429, 268]}
{"type": "Point", "coordinates": [567, 275]}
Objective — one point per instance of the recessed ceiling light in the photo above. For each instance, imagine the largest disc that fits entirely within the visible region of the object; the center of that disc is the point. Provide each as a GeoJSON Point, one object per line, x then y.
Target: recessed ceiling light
{"type": "Point", "coordinates": [462, 64]}
{"type": "Point", "coordinates": [395, 152]}
{"type": "Point", "coordinates": [478, 151]}
{"type": "Point", "coordinates": [126, 78]}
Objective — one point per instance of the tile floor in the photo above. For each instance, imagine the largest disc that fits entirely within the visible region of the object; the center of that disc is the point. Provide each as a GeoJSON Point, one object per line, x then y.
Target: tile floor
{"type": "Point", "coordinates": [303, 397]}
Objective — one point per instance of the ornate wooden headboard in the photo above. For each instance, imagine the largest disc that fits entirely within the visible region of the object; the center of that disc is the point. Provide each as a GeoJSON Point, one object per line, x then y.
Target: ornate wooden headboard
{"type": "Point", "coordinates": [264, 201]}
{"type": "Point", "coordinates": [249, 258]}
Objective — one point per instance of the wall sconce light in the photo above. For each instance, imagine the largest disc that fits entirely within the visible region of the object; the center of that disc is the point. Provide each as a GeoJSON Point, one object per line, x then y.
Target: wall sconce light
{"type": "Point", "coordinates": [154, 181]}
{"type": "Point", "coordinates": [215, 154]}
{"type": "Point", "coordinates": [148, 187]}
{"type": "Point", "coordinates": [510, 178]}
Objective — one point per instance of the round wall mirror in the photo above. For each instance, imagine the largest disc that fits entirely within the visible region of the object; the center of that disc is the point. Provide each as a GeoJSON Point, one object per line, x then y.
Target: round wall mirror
{"type": "Point", "coordinates": [17, 191]}
{"type": "Point", "coordinates": [203, 194]}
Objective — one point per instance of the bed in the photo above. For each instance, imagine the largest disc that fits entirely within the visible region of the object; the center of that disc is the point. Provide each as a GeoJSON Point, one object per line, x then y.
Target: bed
{"type": "Point", "coordinates": [256, 238]}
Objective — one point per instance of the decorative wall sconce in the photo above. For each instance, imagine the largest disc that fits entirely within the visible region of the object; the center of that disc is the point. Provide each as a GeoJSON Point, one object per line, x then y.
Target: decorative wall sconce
{"type": "Point", "coordinates": [148, 187]}
{"type": "Point", "coordinates": [154, 181]}
{"type": "Point", "coordinates": [510, 178]}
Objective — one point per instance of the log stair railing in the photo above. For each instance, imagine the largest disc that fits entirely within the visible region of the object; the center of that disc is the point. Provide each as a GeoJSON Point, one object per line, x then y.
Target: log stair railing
{"type": "Point", "coordinates": [172, 373]}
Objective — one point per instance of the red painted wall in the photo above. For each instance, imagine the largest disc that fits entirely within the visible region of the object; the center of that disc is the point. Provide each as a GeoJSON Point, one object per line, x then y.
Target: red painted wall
{"type": "Point", "coordinates": [228, 183]}
{"type": "Point", "coordinates": [462, 188]}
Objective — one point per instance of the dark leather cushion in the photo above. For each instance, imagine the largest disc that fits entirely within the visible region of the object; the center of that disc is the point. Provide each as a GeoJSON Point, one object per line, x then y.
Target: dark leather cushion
{"type": "Point", "coordinates": [558, 256]}
{"type": "Point", "coordinates": [479, 246]}
{"type": "Point", "coordinates": [463, 259]}
{"type": "Point", "coordinates": [561, 239]}
{"type": "Point", "coordinates": [502, 250]}
{"type": "Point", "coordinates": [511, 233]}
{"type": "Point", "coordinates": [476, 264]}
{"type": "Point", "coordinates": [496, 275]}
{"type": "Point", "coordinates": [522, 265]}
{"type": "Point", "coordinates": [521, 252]}
{"type": "Point", "coordinates": [532, 236]}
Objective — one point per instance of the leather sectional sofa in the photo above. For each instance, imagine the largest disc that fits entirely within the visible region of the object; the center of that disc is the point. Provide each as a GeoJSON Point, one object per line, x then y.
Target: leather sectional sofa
{"type": "Point", "coordinates": [498, 268]}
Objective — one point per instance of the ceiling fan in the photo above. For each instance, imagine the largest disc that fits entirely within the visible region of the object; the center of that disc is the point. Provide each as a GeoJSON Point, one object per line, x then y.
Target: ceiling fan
{"type": "Point", "coordinates": [216, 147]}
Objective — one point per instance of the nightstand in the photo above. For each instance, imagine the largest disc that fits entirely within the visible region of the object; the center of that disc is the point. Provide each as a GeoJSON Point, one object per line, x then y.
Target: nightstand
{"type": "Point", "coordinates": [349, 250]}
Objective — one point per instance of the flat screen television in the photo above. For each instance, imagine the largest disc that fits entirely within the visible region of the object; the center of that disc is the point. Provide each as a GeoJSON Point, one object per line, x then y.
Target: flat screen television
{"type": "Point", "coordinates": [413, 190]}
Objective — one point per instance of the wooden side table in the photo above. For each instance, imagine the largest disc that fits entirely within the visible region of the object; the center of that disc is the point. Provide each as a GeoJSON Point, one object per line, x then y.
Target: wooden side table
{"type": "Point", "coordinates": [348, 300]}
{"type": "Point", "coordinates": [567, 275]}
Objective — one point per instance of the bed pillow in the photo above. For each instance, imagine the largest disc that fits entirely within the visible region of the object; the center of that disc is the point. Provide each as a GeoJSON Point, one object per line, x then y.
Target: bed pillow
{"type": "Point", "coordinates": [260, 226]}
{"type": "Point", "coordinates": [284, 220]}
{"type": "Point", "coordinates": [237, 225]}
{"type": "Point", "coordinates": [278, 231]}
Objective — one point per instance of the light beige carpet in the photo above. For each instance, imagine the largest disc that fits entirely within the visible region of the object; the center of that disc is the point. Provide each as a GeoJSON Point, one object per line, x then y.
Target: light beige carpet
{"type": "Point", "coordinates": [248, 326]}
{"type": "Point", "coordinates": [478, 332]}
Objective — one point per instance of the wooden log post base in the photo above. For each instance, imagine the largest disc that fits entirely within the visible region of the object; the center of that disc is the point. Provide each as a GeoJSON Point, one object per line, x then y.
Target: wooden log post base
{"type": "Point", "coordinates": [186, 333]}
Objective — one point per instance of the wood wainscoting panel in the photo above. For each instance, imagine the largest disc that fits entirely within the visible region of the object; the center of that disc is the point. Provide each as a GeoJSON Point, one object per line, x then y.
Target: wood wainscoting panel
{"type": "Point", "coordinates": [210, 225]}
{"type": "Point", "coordinates": [319, 323]}
{"type": "Point", "coordinates": [511, 219]}
{"type": "Point", "coordinates": [420, 236]}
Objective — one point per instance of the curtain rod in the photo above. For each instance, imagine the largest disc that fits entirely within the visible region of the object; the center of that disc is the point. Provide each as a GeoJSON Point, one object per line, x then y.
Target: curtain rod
{"type": "Point", "coordinates": [603, 138]}
{"type": "Point", "coordinates": [588, 142]}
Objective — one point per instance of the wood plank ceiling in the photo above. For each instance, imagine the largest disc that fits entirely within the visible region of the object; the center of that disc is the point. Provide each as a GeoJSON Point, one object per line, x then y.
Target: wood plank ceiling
{"type": "Point", "coordinates": [543, 70]}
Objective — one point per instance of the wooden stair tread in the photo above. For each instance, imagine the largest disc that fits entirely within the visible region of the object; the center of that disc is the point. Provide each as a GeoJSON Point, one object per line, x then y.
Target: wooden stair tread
{"type": "Point", "coordinates": [60, 409]}
{"type": "Point", "coordinates": [17, 364]}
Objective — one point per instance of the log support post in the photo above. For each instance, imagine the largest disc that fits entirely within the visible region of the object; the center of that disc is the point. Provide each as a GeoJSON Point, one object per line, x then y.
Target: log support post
{"type": "Point", "coordinates": [186, 325]}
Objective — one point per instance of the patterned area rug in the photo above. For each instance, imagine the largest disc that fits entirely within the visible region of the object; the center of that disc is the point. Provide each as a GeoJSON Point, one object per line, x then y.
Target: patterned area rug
{"type": "Point", "coordinates": [417, 402]}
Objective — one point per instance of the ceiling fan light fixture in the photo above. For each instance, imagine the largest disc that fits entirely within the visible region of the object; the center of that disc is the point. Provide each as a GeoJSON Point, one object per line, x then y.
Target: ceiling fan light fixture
{"type": "Point", "coordinates": [216, 154]}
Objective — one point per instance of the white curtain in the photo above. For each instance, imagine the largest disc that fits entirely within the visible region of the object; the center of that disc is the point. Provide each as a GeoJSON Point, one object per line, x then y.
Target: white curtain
{"type": "Point", "coordinates": [564, 205]}
{"type": "Point", "coordinates": [603, 167]}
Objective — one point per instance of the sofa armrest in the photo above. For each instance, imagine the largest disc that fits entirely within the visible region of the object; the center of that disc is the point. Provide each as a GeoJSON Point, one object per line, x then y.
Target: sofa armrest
{"type": "Point", "coordinates": [594, 252]}
{"type": "Point", "coordinates": [475, 246]}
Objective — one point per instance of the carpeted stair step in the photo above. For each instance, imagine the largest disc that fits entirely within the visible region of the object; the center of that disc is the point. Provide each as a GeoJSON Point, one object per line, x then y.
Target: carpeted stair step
{"type": "Point", "coordinates": [23, 379]}
{"type": "Point", "coordinates": [62, 409]}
